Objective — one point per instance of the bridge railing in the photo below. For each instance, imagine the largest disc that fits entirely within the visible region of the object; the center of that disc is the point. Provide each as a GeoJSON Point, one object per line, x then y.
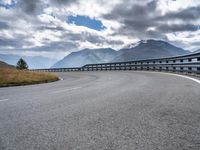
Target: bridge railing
{"type": "Point", "coordinates": [183, 64]}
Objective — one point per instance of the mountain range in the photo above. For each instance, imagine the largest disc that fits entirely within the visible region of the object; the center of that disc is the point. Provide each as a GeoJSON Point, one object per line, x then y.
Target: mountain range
{"type": "Point", "coordinates": [145, 49]}
{"type": "Point", "coordinates": [86, 56]}
{"type": "Point", "coordinates": [148, 49]}
{"type": "Point", "coordinates": [197, 51]}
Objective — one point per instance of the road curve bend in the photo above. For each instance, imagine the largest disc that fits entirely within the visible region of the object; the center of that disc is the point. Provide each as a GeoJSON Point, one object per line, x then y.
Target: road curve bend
{"type": "Point", "coordinates": [122, 110]}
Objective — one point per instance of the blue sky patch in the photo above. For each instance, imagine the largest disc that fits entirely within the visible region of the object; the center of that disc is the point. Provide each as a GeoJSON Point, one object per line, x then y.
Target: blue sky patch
{"type": "Point", "coordinates": [86, 21]}
{"type": "Point", "coordinates": [7, 6]}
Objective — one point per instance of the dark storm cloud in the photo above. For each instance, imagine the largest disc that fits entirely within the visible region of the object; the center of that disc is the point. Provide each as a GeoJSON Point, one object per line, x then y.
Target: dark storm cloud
{"type": "Point", "coordinates": [30, 6]}
{"type": "Point", "coordinates": [125, 9]}
{"type": "Point", "coordinates": [187, 14]}
{"type": "Point", "coordinates": [138, 19]}
{"type": "Point", "coordinates": [60, 2]}
{"type": "Point", "coordinates": [196, 43]}
{"type": "Point", "coordinates": [92, 38]}
{"type": "Point", "coordinates": [155, 34]}
{"type": "Point", "coordinates": [9, 42]}
{"type": "Point", "coordinates": [41, 28]}
{"type": "Point", "coordinates": [53, 46]}
{"type": "Point", "coordinates": [135, 18]}
{"type": "Point", "coordinates": [176, 28]}
{"type": "Point", "coordinates": [16, 42]}
{"type": "Point", "coordinates": [115, 42]}
{"type": "Point", "coordinates": [3, 25]}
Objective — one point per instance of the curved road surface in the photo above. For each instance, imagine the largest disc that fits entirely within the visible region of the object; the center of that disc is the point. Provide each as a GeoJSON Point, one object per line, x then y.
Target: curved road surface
{"type": "Point", "coordinates": [122, 110]}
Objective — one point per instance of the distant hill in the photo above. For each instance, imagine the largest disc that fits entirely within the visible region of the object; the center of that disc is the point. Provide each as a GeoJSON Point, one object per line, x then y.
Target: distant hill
{"type": "Point", "coordinates": [5, 65]}
{"type": "Point", "coordinates": [34, 62]}
{"type": "Point", "coordinates": [198, 51]}
{"type": "Point", "coordinates": [142, 50]}
{"type": "Point", "coordinates": [86, 56]}
{"type": "Point", "coordinates": [147, 50]}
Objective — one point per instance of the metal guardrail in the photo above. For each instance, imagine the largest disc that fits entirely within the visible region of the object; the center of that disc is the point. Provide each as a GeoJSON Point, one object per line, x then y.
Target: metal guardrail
{"type": "Point", "coordinates": [182, 64]}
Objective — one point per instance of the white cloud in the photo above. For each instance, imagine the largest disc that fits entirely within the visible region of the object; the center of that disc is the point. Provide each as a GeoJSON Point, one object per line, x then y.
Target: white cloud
{"type": "Point", "coordinates": [176, 5]}
{"type": "Point", "coordinates": [9, 2]}
{"type": "Point", "coordinates": [46, 32]}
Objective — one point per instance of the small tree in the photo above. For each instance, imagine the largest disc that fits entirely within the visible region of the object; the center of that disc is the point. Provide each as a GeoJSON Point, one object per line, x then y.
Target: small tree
{"type": "Point", "coordinates": [21, 64]}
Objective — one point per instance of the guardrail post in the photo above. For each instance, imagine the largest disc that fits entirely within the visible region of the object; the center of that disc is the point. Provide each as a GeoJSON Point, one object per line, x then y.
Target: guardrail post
{"type": "Point", "coordinates": [198, 70]}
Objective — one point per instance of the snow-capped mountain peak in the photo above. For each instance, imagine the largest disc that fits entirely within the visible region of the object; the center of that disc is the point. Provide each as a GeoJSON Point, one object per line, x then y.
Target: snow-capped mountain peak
{"type": "Point", "coordinates": [133, 45]}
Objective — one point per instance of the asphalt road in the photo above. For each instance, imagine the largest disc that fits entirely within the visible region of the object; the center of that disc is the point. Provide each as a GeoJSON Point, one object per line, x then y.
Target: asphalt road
{"type": "Point", "coordinates": [122, 110]}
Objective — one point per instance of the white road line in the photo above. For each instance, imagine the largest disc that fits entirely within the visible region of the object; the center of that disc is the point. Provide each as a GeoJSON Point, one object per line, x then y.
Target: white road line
{"type": "Point", "coordinates": [66, 90]}
{"type": "Point", "coordinates": [183, 76]}
{"type": "Point", "coordinates": [3, 100]}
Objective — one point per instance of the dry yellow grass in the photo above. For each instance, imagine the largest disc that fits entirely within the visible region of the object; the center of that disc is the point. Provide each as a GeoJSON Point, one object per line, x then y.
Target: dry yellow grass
{"type": "Point", "coordinates": [14, 77]}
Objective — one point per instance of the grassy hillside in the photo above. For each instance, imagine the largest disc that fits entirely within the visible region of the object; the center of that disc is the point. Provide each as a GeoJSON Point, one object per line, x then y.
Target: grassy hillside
{"type": "Point", "coordinates": [5, 65]}
{"type": "Point", "coordinates": [14, 77]}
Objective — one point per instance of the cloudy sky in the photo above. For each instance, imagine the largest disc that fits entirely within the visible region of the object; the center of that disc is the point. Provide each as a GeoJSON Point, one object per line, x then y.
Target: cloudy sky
{"type": "Point", "coordinates": [54, 28]}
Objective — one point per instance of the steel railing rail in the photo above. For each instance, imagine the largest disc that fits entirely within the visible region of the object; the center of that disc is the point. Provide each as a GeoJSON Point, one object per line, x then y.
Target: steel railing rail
{"type": "Point", "coordinates": [183, 64]}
